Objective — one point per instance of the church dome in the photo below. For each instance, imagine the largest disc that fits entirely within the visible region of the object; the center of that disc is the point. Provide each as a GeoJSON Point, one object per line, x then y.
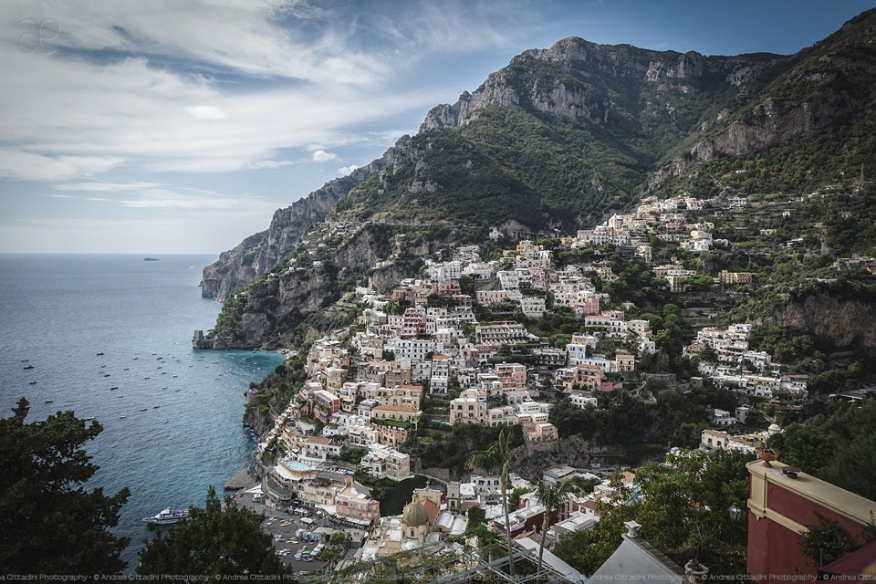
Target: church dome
{"type": "Point", "coordinates": [414, 515]}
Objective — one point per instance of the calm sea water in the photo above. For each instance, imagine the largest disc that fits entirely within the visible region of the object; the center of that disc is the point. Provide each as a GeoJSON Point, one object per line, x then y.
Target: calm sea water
{"type": "Point", "coordinates": [173, 426]}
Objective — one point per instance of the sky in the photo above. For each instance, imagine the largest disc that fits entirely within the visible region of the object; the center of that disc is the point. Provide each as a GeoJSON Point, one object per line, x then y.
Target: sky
{"type": "Point", "coordinates": [180, 126]}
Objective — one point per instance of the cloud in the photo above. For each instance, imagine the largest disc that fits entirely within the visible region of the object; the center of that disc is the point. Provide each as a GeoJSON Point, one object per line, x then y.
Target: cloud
{"type": "Point", "coordinates": [143, 195]}
{"type": "Point", "coordinates": [269, 164]}
{"type": "Point", "coordinates": [206, 112]}
{"type": "Point", "coordinates": [344, 171]}
{"type": "Point", "coordinates": [217, 85]}
{"type": "Point", "coordinates": [103, 187]}
{"type": "Point", "coordinates": [73, 118]}
{"type": "Point", "coordinates": [35, 166]}
{"type": "Point", "coordinates": [323, 156]}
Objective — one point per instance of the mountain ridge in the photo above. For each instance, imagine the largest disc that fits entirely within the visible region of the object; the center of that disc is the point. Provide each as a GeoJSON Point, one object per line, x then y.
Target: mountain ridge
{"type": "Point", "coordinates": [622, 121]}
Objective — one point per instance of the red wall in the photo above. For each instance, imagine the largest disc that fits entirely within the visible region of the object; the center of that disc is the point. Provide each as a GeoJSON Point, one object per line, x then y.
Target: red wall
{"type": "Point", "coordinates": [775, 551]}
{"type": "Point", "coordinates": [803, 511]}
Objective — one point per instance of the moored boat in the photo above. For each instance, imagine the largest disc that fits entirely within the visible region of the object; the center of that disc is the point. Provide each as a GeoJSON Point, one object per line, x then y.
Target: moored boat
{"type": "Point", "coordinates": [168, 516]}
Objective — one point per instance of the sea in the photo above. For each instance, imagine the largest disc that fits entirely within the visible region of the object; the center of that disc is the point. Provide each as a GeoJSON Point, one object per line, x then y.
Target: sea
{"type": "Point", "coordinates": [109, 337]}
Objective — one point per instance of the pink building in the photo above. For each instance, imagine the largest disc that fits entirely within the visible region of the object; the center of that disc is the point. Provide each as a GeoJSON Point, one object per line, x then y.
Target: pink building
{"type": "Point", "coordinates": [325, 403]}
{"type": "Point", "coordinates": [586, 377]}
{"type": "Point", "coordinates": [448, 287]}
{"type": "Point", "coordinates": [590, 305]}
{"type": "Point", "coordinates": [511, 375]}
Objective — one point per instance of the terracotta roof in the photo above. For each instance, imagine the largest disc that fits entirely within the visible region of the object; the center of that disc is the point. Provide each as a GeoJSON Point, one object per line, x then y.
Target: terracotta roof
{"type": "Point", "coordinates": [395, 409]}
{"type": "Point", "coordinates": [431, 509]}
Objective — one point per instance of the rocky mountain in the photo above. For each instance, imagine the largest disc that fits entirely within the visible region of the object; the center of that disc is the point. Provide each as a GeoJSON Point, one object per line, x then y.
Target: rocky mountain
{"type": "Point", "coordinates": [257, 254]}
{"type": "Point", "coordinates": [564, 136]}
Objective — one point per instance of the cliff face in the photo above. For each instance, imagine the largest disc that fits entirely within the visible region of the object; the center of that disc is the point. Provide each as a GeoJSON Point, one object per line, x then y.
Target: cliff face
{"type": "Point", "coordinates": [273, 306]}
{"type": "Point", "coordinates": [580, 80]}
{"type": "Point", "coordinates": [842, 320]}
{"type": "Point", "coordinates": [257, 254]}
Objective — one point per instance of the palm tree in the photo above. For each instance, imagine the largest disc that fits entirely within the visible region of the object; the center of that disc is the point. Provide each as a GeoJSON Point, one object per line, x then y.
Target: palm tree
{"type": "Point", "coordinates": [552, 498]}
{"type": "Point", "coordinates": [496, 459]}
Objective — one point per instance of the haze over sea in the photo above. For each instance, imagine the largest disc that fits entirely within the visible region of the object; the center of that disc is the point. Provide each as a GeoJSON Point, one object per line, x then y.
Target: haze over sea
{"type": "Point", "coordinates": [173, 426]}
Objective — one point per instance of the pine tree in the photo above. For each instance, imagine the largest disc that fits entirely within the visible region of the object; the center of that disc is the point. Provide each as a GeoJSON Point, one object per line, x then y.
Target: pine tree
{"type": "Point", "coordinates": [49, 523]}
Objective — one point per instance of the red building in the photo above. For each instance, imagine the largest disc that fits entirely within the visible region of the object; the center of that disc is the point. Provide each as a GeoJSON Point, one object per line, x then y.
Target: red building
{"type": "Point", "coordinates": [782, 505]}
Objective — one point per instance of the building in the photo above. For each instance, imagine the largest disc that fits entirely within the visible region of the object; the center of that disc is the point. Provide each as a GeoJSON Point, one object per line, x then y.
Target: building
{"type": "Point", "coordinates": [625, 363]}
{"type": "Point", "coordinates": [325, 403]}
{"type": "Point", "coordinates": [540, 432]}
{"type": "Point", "coordinates": [401, 395]}
{"type": "Point", "coordinates": [532, 306]}
{"type": "Point", "coordinates": [469, 408]}
{"type": "Point", "coordinates": [384, 462]}
{"type": "Point", "coordinates": [402, 414]}
{"type": "Point", "coordinates": [783, 504]}
{"type": "Point", "coordinates": [502, 332]}
{"type": "Point", "coordinates": [511, 375]}
{"type": "Point", "coordinates": [354, 501]}
{"type": "Point", "coordinates": [581, 401]}
{"type": "Point", "coordinates": [440, 378]}
{"type": "Point", "coordinates": [317, 449]}
{"type": "Point", "coordinates": [585, 377]}
{"type": "Point", "coordinates": [637, 560]}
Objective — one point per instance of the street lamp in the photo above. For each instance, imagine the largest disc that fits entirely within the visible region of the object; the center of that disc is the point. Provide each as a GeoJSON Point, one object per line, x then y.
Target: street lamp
{"type": "Point", "coordinates": [735, 512]}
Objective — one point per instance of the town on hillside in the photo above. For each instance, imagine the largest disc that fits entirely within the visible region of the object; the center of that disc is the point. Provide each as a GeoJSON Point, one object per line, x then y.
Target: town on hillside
{"type": "Point", "coordinates": [460, 344]}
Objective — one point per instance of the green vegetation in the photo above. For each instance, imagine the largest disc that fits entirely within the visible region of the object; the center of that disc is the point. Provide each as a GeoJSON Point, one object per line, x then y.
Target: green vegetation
{"type": "Point", "coordinates": [450, 449]}
{"type": "Point", "coordinates": [838, 446]}
{"type": "Point", "coordinates": [212, 542]}
{"type": "Point", "coordinates": [353, 455]}
{"type": "Point", "coordinates": [682, 508]}
{"type": "Point", "coordinates": [392, 495]}
{"type": "Point", "coordinates": [553, 498]}
{"type": "Point", "coordinates": [496, 459]}
{"type": "Point", "coordinates": [49, 523]}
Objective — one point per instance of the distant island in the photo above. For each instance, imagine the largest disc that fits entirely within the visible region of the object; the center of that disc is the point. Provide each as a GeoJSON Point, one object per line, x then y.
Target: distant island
{"type": "Point", "coordinates": [150, 259]}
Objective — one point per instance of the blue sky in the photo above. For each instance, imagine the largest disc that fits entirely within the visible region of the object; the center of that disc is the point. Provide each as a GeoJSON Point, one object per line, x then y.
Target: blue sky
{"type": "Point", "coordinates": [181, 126]}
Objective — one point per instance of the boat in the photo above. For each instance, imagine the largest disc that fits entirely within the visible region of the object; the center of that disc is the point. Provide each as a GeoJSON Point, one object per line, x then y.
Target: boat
{"type": "Point", "coordinates": [113, 388]}
{"type": "Point", "coordinates": [28, 366]}
{"type": "Point", "coordinates": [122, 417]}
{"type": "Point", "coordinates": [168, 516]}
{"type": "Point", "coordinates": [48, 401]}
{"type": "Point", "coordinates": [100, 352]}
{"type": "Point", "coordinates": [33, 382]}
